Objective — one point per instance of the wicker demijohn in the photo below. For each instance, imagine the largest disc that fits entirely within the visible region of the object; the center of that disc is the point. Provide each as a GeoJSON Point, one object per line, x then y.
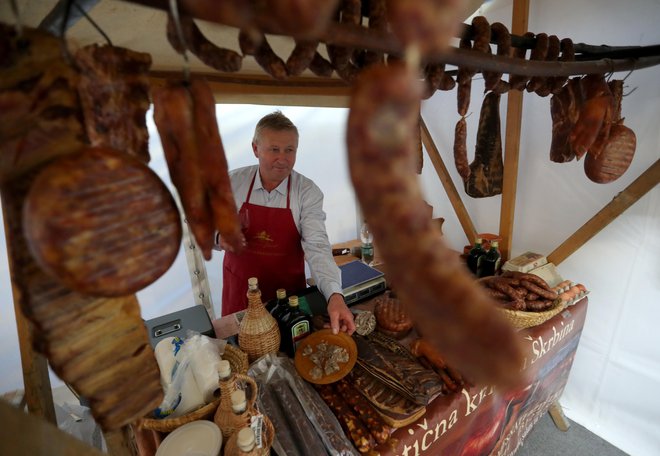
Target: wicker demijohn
{"type": "Point", "coordinates": [225, 418]}
{"type": "Point", "coordinates": [238, 362]}
{"type": "Point", "coordinates": [258, 333]}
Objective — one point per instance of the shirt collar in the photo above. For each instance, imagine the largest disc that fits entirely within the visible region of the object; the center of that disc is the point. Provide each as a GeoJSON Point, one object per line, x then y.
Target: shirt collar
{"type": "Point", "coordinates": [258, 185]}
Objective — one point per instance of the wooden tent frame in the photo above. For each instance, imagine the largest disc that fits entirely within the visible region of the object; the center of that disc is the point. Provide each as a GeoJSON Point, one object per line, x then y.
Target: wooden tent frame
{"type": "Point", "coordinates": [335, 93]}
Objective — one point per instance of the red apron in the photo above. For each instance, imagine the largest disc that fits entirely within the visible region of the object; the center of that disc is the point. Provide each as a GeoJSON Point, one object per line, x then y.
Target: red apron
{"type": "Point", "coordinates": [273, 254]}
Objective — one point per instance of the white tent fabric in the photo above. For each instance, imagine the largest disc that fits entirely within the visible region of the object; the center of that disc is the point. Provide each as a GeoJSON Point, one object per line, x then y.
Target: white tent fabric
{"type": "Point", "coordinates": [612, 389]}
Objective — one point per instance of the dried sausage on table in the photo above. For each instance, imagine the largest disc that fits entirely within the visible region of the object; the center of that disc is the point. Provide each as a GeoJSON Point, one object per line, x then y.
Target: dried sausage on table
{"type": "Point", "coordinates": [304, 433]}
{"type": "Point", "coordinates": [450, 310]}
{"type": "Point", "coordinates": [367, 413]}
{"type": "Point", "coordinates": [351, 424]}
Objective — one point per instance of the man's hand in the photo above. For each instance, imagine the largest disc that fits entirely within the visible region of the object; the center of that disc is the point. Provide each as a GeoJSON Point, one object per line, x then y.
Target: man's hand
{"type": "Point", "coordinates": [341, 318]}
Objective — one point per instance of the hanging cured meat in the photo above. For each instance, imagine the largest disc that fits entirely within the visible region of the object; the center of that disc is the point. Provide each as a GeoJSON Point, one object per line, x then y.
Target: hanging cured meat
{"type": "Point", "coordinates": [487, 170]}
{"type": "Point", "coordinates": [596, 110]}
{"type": "Point", "coordinates": [40, 114]}
{"type": "Point", "coordinates": [99, 346]}
{"type": "Point", "coordinates": [565, 109]}
{"type": "Point", "coordinates": [186, 121]}
{"type": "Point", "coordinates": [102, 222]}
{"type": "Point", "coordinates": [608, 162]}
{"type": "Point", "coordinates": [221, 59]}
{"type": "Point", "coordinates": [615, 158]}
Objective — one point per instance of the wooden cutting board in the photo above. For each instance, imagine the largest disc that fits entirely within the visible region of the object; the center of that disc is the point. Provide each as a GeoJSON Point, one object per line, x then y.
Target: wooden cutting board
{"type": "Point", "coordinates": [102, 223]}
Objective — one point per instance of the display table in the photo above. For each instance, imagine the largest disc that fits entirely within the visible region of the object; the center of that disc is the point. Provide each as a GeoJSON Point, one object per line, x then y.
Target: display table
{"type": "Point", "coordinates": [483, 421]}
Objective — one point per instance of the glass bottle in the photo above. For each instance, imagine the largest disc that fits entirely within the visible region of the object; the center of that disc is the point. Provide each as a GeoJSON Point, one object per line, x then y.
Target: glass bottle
{"type": "Point", "coordinates": [296, 325]}
{"type": "Point", "coordinates": [475, 255]}
{"type": "Point", "coordinates": [281, 304]}
{"type": "Point", "coordinates": [367, 246]}
{"type": "Point", "coordinates": [490, 262]}
{"type": "Point", "coordinates": [258, 333]}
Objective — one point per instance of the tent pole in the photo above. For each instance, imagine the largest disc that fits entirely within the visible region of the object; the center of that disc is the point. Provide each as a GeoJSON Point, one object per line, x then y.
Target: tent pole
{"type": "Point", "coordinates": [445, 179]}
{"type": "Point", "coordinates": [638, 188]}
{"type": "Point", "coordinates": [519, 24]}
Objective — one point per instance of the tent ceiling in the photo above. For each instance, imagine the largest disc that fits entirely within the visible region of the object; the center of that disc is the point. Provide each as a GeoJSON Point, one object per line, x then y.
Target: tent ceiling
{"type": "Point", "coordinates": [142, 29]}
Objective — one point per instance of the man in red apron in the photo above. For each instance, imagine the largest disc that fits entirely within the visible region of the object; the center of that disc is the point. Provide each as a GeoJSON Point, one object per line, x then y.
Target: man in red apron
{"type": "Point", "coordinates": [281, 212]}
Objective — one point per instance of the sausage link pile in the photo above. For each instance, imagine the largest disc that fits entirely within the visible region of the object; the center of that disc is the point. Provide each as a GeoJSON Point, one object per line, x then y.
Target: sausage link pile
{"type": "Point", "coordinates": [520, 291]}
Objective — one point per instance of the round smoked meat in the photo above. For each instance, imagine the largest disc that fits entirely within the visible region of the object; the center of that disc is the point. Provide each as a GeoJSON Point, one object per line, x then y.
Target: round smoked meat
{"type": "Point", "coordinates": [102, 223]}
{"type": "Point", "coordinates": [615, 158]}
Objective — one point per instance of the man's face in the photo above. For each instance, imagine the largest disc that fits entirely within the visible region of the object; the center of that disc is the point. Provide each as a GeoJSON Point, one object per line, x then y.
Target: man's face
{"type": "Point", "coordinates": [276, 151]}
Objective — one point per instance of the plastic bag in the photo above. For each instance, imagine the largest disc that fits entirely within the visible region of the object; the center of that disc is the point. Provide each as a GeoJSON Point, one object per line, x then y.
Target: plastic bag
{"type": "Point", "coordinates": [272, 369]}
{"type": "Point", "coordinates": [77, 421]}
{"type": "Point", "coordinates": [194, 377]}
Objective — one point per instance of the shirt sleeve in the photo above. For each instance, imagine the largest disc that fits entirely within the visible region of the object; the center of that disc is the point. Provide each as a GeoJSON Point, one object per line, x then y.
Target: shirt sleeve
{"type": "Point", "coordinates": [315, 243]}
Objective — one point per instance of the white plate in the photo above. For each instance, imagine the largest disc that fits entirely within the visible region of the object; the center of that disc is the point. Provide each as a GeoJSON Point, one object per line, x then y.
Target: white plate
{"type": "Point", "coordinates": [197, 438]}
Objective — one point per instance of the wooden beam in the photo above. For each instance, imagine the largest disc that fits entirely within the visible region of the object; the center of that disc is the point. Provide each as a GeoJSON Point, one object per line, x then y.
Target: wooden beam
{"type": "Point", "coordinates": [638, 188]}
{"type": "Point", "coordinates": [450, 189]}
{"type": "Point", "coordinates": [259, 89]}
{"type": "Point", "coordinates": [36, 381]}
{"type": "Point", "coordinates": [512, 142]}
{"type": "Point", "coordinates": [21, 433]}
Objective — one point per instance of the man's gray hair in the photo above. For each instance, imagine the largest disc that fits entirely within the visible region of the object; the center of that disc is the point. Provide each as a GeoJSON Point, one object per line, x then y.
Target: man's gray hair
{"type": "Point", "coordinates": [274, 121]}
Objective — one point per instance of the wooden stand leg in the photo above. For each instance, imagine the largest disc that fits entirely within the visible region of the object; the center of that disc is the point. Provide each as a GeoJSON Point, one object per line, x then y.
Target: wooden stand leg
{"type": "Point", "coordinates": [557, 415]}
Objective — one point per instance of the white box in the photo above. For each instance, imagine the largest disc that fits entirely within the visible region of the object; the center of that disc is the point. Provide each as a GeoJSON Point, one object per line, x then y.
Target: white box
{"type": "Point", "coordinates": [525, 262]}
{"type": "Point", "coordinates": [549, 273]}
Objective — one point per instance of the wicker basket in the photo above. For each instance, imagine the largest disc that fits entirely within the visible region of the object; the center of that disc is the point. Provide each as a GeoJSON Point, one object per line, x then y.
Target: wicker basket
{"type": "Point", "coordinates": [170, 424]}
{"type": "Point", "coordinates": [238, 360]}
{"type": "Point", "coordinates": [267, 436]}
{"type": "Point", "coordinates": [520, 319]}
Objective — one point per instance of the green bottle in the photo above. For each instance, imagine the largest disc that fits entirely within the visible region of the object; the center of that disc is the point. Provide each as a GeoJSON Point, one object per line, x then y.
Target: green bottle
{"type": "Point", "coordinates": [281, 305]}
{"type": "Point", "coordinates": [475, 255]}
{"type": "Point", "coordinates": [490, 262]}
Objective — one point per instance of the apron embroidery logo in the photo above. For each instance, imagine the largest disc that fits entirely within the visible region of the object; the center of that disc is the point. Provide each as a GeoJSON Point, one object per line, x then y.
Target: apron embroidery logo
{"type": "Point", "coordinates": [263, 236]}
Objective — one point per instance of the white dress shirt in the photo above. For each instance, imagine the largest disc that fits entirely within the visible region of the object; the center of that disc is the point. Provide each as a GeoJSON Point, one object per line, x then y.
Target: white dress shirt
{"type": "Point", "coordinates": [306, 204]}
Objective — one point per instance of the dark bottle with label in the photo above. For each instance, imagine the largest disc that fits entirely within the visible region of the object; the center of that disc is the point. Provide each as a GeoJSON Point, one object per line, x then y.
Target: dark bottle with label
{"type": "Point", "coordinates": [490, 262]}
{"type": "Point", "coordinates": [296, 325]}
{"type": "Point", "coordinates": [474, 256]}
{"type": "Point", "coordinates": [280, 304]}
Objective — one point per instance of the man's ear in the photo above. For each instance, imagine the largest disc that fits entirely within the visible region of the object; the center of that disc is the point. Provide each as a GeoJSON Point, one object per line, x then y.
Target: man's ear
{"type": "Point", "coordinates": [254, 149]}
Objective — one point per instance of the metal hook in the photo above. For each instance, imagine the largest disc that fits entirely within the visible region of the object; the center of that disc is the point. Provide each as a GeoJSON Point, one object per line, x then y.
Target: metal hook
{"type": "Point", "coordinates": [91, 21]}
{"type": "Point", "coordinates": [17, 15]}
{"type": "Point", "coordinates": [631, 70]}
{"type": "Point", "coordinates": [626, 94]}
{"type": "Point", "coordinates": [179, 31]}
{"type": "Point", "coordinates": [63, 27]}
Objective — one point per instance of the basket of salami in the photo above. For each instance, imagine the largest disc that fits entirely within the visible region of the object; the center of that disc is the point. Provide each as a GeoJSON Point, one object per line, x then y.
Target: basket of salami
{"type": "Point", "coordinates": [239, 363]}
{"type": "Point", "coordinates": [526, 300]}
